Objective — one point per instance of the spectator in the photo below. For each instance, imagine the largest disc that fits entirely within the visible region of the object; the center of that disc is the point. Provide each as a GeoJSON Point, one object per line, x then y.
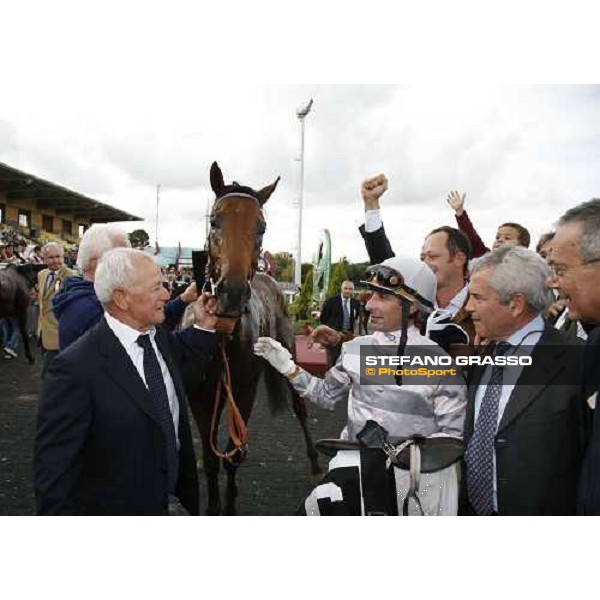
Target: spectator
{"type": "Point", "coordinates": [339, 312]}
{"type": "Point", "coordinates": [508, 234]}
{"type": "Point", "coordinates": [363, 313]}
{"type": "Point", "coordinates": [9, 255]}
{"type": "Point", "coordinates": [77, 308]}
{"type": "Point", "coordinates": [36, 256]}
{"type": "Point", "coordinates": [113, 435]}
{"type": "Point", "coordinates": [575, 263]}
{"type": "Point", "coordinates": [543, 246]}
{"type": "Point", "coordinates": [446, 251]}
{"type": "Point", "coordinates": [50, 282]}
{"type": "Point", "coordinates": [524, 425]}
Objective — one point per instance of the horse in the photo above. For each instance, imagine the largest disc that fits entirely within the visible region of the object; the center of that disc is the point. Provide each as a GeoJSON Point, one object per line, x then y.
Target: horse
{"type": "Point", "coordinates": [249, 305]}
{"type": "Point", "coordinates": [16, 282]}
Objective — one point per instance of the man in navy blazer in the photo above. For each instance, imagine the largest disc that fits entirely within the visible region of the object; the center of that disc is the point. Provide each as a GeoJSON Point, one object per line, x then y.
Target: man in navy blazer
{"type": "Point", "coordinates": [339, 312]}
{"type": "Point", "coordinates": [113, 436]}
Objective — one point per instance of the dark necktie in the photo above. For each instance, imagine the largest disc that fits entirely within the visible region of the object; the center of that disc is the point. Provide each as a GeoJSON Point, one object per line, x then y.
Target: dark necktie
{"type": "Point", "coordinates": [480, 451]}
{"type": "Point", "coordinates": [49, 281]}
{"type": "Point", "coordinates": [160, 405]}
{"type": "Point", "coordinates": [346, 325]}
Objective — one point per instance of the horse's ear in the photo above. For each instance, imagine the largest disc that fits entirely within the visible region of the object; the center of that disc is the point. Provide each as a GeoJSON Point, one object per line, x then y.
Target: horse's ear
{"type": "Point", "coordinates": [265, 193]}
{"type": "Point", "coordinates": [216, 179]}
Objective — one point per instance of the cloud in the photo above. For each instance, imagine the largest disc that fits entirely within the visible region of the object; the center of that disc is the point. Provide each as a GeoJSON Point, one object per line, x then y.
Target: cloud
{"type": "Point", "coordinates": [521, 153]}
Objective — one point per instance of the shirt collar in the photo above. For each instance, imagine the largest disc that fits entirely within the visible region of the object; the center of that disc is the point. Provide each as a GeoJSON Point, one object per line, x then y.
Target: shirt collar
{"type": "Point", "coordinates": [456, 303]}
{"type": "Point", "coordinates": [126, 335]}
{"type": "Point", "coordinates": [525, 334]}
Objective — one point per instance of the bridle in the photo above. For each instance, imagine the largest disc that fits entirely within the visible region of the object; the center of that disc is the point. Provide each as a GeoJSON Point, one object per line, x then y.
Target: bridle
{"type": "Point", "coordinates": [238, 433]}
{"type": "Point", "coordinates": [209, 282]}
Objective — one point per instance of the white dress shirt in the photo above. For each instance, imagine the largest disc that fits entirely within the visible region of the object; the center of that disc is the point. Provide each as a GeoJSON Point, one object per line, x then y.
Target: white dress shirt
{"type": "Point", "coordinates": [373, 220]}
{"type": "Point", "coordinates": [523, 342]}
{"type": "Point", "coordinates": [128, 338]}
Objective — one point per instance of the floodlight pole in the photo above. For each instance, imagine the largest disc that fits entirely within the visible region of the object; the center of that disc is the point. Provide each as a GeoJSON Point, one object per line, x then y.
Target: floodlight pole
{"type": "Point", "coordinates": [301, 113]}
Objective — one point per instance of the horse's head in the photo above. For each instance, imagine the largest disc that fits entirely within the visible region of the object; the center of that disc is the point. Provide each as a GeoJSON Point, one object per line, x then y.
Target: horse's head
{"type": "Point", "coordinates": [237, 226]}
{"type": "Point", "coordinates": [30, 272]}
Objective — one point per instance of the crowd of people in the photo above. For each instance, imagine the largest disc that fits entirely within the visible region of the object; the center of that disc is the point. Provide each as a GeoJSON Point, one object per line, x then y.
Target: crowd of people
{"type": "Point", "coordinates": [109, 330]}
{"type": "Point", "coordinates": [532, 441]}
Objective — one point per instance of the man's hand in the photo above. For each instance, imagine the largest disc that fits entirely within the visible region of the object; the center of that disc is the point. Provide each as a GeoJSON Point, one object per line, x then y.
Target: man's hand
{"type": "Point", "coordinates": [205, 310]}
{"type": "Point", "coordinates": [326, 336]}
{"type": "Point", "coordinates": [556, 308]}
{"type": "Point", "coordinates": [190, 294]}
{"type": "Point", "coordinates": [457, 202]}
{"type": "Point", "coordinates": [372, 189]}
{"type": "Point", "coordinates": [275, 354]}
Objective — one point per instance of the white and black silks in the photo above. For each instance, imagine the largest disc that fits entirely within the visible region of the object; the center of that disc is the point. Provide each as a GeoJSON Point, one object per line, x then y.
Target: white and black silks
{"type": "Point", "coordinates": [415, 477]}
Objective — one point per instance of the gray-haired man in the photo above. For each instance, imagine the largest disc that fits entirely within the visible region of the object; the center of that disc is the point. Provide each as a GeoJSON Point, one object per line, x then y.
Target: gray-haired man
{"type": "Point", "coordinates": [575, 262]}
{"type": "Point", "coordinates": [113, 437]}
{"type": "Point", "coordinates": [523, 427]}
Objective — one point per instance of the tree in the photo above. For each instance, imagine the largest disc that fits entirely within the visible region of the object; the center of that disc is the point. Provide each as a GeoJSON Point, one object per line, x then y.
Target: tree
{"type": "Point", "coordinates": [339, 274]}
{"type": "Point", "coordinates": [300, 307]}
{"type": "Point", "coordinates": [356, 272]}
{"type": "Point", "coordinates": [139, 238]}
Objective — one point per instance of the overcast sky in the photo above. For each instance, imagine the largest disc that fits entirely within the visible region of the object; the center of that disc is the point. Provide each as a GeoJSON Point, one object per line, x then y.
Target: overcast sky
{"type": "Point", "coordinates": [520, 153]}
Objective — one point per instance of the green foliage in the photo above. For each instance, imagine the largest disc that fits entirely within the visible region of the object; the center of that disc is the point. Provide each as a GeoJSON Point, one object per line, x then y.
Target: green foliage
{"type": "Point", "coordinates": [356, 272]}
{"type": "Point", "coordinates": [139, 238]}
{"type": "Point", "coordinates": [285, 266]}
{"type": "Point", "coordinates": [339, 274]}
{"type": "Point", "coordinates": [300, 307]}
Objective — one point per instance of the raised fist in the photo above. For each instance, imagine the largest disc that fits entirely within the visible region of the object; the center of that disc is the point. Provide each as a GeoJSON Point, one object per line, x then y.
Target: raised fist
{"type": "Point", "coordinates": [372, 189]}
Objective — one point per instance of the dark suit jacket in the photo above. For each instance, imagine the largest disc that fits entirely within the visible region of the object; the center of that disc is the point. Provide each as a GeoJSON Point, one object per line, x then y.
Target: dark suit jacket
{"type": "Point", "coordinates": [539, 441]}
{"type": "Point", "coordinates": [99, 447]}
{"type": "Point", "coordinates": [589, 485]}
{"type": "Point", "coordinates": [332, 313]}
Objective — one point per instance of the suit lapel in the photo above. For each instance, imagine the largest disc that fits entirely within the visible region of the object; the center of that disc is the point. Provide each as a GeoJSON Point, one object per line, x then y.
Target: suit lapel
{"type": "Point", "coordinates": [546, 367]}
{"type": "Point", "coordinates": [122, 371]}
{"type": "Point", "coordinates": [474, 379]}
{"type": "Point", "coordinates": [163, 346]}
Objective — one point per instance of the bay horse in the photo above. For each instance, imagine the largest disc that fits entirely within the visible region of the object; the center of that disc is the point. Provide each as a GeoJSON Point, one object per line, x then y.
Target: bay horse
{"type": "Point", "coordinates": [15, 283]}
{"type": "Point", "coordinates": [249, 305]}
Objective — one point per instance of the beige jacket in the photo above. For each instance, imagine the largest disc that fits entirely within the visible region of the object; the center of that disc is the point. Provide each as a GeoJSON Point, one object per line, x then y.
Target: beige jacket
{"type": "Point", "coordinates": [47, 323]}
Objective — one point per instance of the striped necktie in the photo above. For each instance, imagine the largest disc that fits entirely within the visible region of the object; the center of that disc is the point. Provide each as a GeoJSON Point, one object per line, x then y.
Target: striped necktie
{"type": "Point", "coordinates": [480, 451]}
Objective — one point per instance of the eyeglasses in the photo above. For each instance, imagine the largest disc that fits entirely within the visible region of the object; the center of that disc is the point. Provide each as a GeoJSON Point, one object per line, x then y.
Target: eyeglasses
{"type": "Point", "coordinates": [385, 276]}
{"type": "Point", "coordinates": [560, 271]}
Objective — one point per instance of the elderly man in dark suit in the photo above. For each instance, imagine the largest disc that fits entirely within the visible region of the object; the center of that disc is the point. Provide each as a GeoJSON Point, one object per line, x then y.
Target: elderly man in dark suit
{"type": "Point", "coordinates": [524, 425]}
{"type": "Point", "coordinates": [113, 436]}
{"type": "Point", "coordinates": [339, 312]}
{"type": "Point", "coordinates": [575, 263]}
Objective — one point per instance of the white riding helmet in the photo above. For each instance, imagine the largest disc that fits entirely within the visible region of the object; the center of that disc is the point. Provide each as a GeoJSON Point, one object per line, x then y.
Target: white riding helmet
{"type": "Point", "coordinates": [406, 277]}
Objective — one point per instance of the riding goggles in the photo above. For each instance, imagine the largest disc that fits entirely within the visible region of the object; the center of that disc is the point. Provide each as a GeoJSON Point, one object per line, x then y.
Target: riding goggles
{"type": "Point", "coordinates": [386, 280]}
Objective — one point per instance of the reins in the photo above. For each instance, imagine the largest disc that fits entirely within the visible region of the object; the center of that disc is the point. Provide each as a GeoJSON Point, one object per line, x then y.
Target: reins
{"type": "Point", "coordinates": [238, 432]}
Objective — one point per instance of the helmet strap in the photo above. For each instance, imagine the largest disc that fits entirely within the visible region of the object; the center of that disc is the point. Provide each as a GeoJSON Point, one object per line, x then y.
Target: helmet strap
{"type": "Point", "coordinates": [404, 334]}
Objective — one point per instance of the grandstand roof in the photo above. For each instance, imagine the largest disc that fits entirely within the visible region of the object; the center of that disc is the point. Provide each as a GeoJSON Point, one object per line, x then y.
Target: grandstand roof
{"type": "Point", "coordinates": [18, 185]}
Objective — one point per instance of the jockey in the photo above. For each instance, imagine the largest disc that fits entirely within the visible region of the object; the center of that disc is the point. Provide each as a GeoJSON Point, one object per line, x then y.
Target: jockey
{"type": "Point", "coordinates": [403, 289]}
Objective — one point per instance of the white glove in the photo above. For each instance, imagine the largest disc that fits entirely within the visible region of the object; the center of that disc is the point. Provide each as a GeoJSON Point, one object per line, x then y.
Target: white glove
{"type": "Point", "coordinates": [275, 354]}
